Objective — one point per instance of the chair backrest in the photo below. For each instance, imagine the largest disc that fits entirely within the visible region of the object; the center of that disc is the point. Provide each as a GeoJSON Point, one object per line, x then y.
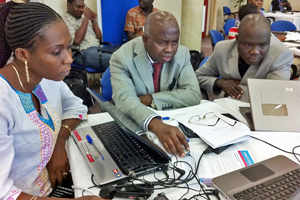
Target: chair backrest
{"type": "Point", "coordinates": [215, 36]}
{"type": "Point", "coordinates": [229, 24]}
{"type": "Point", "coordinates": [203, 61]}
{"type": "Point", "coordinates": [282, 25]}
{"type": "Point", "coordinates": [271, 20]}
{"type": "Point", "coordinates": [226, 10]}
{"type": "Point", "coordinates": [106, 85]}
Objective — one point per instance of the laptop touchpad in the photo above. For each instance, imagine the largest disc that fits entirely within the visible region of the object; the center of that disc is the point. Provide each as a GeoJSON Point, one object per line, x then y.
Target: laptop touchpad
{"type": "Point", "coordinates": [257, 172]}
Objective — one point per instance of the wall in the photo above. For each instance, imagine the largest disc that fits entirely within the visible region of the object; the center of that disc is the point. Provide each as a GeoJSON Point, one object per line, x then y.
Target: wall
{"type": "Point", "coordinates": [172, 6]}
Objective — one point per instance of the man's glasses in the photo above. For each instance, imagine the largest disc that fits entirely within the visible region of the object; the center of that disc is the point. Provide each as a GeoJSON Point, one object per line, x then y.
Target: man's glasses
{"type": "Point", "coordinates": [196, 119]}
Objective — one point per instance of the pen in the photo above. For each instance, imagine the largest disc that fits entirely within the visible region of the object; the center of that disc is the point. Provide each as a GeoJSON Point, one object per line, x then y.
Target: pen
{"type": "Point", "coordinates": [90, 140]}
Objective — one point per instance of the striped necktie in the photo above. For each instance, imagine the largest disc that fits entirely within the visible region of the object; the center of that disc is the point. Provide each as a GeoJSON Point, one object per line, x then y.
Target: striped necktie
{"type": "Point", "coordinates": [156, 72]}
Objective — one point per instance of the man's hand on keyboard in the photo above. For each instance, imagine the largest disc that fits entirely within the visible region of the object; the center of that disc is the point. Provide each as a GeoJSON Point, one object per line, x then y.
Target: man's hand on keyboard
{"type": "Point", "coordinates": [171, 137]}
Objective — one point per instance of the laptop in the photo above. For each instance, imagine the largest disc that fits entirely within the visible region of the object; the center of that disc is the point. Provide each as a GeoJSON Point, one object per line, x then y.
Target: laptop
{"type": "Point", "coordinates": [113, 151]}
{"type": "Point", "coordinates": [275, 105]}
{"type": "Point", "coordinates": [277, 177]}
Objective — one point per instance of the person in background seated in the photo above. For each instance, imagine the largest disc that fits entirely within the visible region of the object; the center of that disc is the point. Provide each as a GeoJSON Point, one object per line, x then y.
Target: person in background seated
{"type": "Point", "coordinates": [258, 3]}
{"type": "Point", "coordinates": [154, 70]}
{"type": "Point", "coordinates": [85, 32]}
{"type": "Point", "coordinates": [136, 17]}
{"type": "Point", "coordinates": [37, 109]}
{"type": "Point", "coordinates": [254, 54]}
{"type": "Point", "coordinates": [244, 10]}
{"type": "Point", "coordinates": [281, 5]}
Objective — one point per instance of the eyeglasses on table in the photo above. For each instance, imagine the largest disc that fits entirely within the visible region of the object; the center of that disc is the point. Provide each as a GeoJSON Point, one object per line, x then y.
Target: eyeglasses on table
{"type": "Point", "coordinates": [196, 119]}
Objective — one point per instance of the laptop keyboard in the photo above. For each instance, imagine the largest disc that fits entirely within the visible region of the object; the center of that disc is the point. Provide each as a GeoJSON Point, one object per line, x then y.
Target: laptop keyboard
{"type": "Point", "coordinates": [279, 188]}
{"type": "Point", "coordinates": [128, 152]}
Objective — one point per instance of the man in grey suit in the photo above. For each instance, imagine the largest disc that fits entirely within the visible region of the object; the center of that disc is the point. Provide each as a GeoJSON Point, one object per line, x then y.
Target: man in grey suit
{"type": "Point", "coordinates": [254, 54]}
{"type": "Point", "coordinates": [134, 71]}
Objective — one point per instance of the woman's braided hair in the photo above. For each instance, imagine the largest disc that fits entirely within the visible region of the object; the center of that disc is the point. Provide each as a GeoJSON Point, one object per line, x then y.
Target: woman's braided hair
{"type": "Point", "coordinates": [20, 24]}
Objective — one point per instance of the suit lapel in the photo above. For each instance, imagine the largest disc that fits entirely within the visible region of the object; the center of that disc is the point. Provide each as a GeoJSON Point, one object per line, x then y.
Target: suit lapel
{"type": "Point", "coordinates": [141, 62]}
{"type": "Point", "coordinates": [233, 63]}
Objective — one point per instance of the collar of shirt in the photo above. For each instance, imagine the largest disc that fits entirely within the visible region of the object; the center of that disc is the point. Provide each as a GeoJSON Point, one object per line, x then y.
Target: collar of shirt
{"type": "Point", "coordinates": [142, 12]}
{"type": "Point", "coordinates": [151, 61]}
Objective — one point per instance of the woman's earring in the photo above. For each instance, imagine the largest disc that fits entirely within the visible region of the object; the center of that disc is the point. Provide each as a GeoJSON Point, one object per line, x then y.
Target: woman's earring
{"type": "Point", "coordinates": [27, 72]}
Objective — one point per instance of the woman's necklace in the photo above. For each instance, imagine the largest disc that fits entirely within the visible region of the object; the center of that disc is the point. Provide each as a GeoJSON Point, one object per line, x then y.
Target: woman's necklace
{"type": "Point", "coordinates": [19, 78]}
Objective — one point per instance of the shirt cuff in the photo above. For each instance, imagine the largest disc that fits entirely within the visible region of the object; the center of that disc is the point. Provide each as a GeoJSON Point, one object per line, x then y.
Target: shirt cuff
{"type": "Point", "coordinates": [146, 122]}
{"type": "Point", "coordinates": [216, 89]}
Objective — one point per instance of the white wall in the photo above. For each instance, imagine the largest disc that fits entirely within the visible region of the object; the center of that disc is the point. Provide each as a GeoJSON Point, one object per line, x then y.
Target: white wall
{"type": "Point", "coordinates": [172, 6]}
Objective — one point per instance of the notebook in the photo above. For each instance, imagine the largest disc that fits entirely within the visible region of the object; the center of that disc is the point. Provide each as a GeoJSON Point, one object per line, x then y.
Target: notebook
{"type": "Point", "coordinates": [275, 105]}
{"type": "Point", "coordinates": [113, 151]}
{"type": "Point", "coordinates": [274, 177]}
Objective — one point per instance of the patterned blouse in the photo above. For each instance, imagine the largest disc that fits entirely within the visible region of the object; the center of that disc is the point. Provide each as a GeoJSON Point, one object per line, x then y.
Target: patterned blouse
{"type": "Point", "coordinates": [27, 138]}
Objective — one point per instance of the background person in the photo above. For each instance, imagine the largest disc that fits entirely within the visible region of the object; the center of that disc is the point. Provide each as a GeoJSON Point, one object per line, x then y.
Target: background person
{"type": "Point", "coordinates": [37, 109]}
{"type": "Point", "coordinates": [258, 3]}
{"type": "Point", "coordinates": [155, 70]}
{"type": "Point", "coordinates": [279, 5]}
{"type": "Point", "coordinates": [254, 54]}
{"type": "Point", "coordinates": [136, 17]}
{"type": "Point", "coordinates": [244, 10]}
{"type": "Point", "coordinates": [85, 32]}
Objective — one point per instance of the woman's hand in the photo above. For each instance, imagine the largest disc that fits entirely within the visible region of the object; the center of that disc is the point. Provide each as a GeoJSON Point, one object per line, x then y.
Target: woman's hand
{"type": "Point", "coordinates": [58, 166]}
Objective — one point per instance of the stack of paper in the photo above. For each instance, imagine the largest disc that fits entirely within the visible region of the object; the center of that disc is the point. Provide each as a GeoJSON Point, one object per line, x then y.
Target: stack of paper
{"type": "Point", "coordinates": [221, 134]}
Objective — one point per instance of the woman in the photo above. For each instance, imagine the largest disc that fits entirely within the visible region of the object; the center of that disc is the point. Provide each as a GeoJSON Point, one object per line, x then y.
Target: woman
{"type": "Point", "coordinates": [258, 3]}
{"type": "Point", "coordinates": [37, 109]}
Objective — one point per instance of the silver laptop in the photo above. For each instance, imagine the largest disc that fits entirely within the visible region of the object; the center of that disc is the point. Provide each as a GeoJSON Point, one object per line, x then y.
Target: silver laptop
{"type": "Point", "coordinates": [276, 176]}
{"type": "Point", "coordinates": [275, 105]}
{"type": "Point", "coordinates": [113, 151]}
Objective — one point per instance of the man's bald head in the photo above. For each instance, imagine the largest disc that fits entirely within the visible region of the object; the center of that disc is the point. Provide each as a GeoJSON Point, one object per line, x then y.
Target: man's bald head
{"type": "Point", "coordinates": [159, 19]}
{"type": "Point", "coordinates": [256, 21]}
{"type": "Point", "coordinates": [253, 39]}
{"type": "Point", "coordinates": [161, 36]}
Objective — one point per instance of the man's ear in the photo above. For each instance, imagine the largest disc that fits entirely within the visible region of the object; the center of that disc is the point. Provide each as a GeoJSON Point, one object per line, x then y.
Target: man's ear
{"type": "Point", "coordinates": [22, 54]}
{"type": "Point", "coordinates": [145, 39]}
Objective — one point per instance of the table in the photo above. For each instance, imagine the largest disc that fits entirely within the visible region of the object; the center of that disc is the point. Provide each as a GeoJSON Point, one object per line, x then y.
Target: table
{"type": "Point", "coordinates": [258, 150]}
{"type": "Point", "coordinates": [294, 18]}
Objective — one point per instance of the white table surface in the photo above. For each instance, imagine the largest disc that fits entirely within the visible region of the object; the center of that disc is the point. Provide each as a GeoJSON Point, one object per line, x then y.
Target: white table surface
{"type": "Point", "coordinates": [258, 150]}
{"type": "Point", "coordinates": [294, 18]}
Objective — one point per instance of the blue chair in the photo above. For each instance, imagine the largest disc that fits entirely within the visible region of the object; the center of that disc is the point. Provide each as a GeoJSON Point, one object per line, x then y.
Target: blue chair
{"type": "Point", "coordinates": [215, 36]}
{"type": "Point", "coordinates": [227, 13]}
{"type": "Point", "coordinates": [282, 25]}
{"type": "Point", "coordinates": [106, 85]}
{"type": "Point", "coordinates": [203, 61]}
{"type": "Point", "coordinates": [228, 25]}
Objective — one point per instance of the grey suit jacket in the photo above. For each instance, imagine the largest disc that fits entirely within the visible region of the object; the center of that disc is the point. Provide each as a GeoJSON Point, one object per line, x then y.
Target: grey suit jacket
{"type": "Point", "coordinates": [224, 62]}
{"type": "Point", "coordinates": [131, 77]}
